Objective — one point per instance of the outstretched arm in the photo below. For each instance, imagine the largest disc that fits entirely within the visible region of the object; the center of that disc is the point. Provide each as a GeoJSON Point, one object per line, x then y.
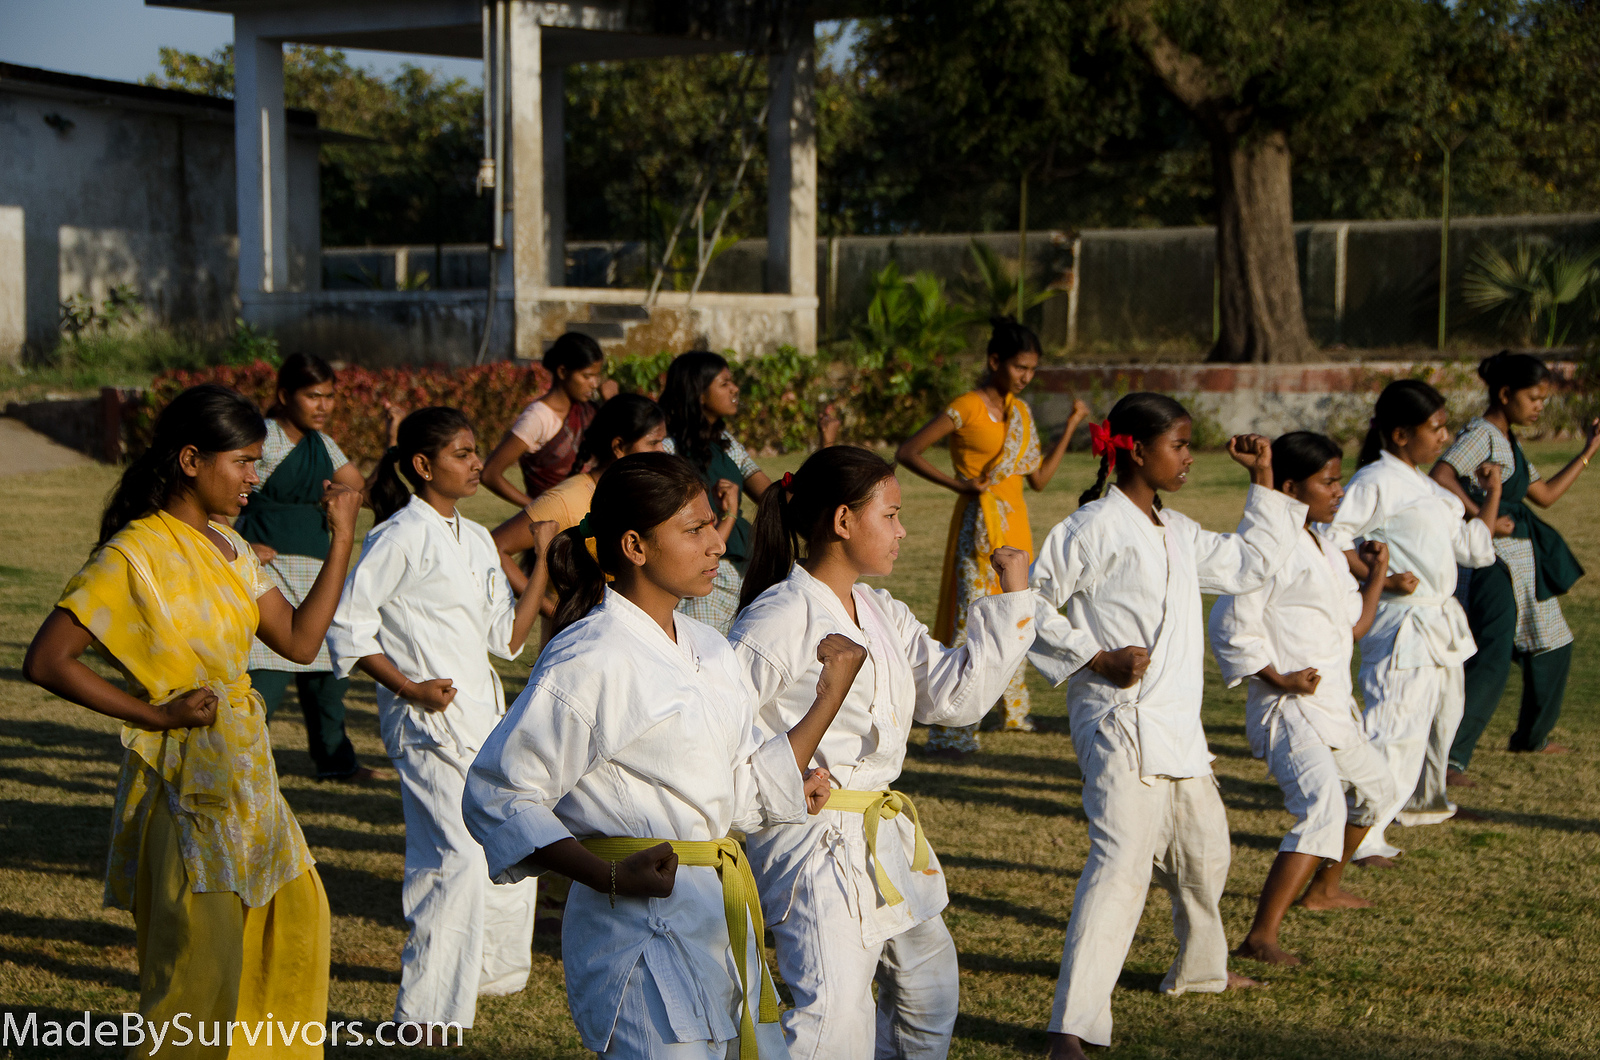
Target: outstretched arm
{"type": "Point", "coordinates": [910, 457]}
{"type": "Point", "coordinates": [1047, 467]}
{"type": "Point", "coordinates": [1546, 492]}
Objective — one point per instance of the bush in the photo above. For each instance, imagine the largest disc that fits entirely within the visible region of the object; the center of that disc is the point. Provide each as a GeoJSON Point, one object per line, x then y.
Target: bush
{"type": "Point", "coordinates": [490, 395]}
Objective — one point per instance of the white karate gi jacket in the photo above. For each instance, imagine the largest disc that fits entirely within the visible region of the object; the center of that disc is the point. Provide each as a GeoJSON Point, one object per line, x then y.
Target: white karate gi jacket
{"type": "Point", "coordinates": [1126, 581]}
{"type": "Point", "coordinates": [908, 676]}
{"type": "Point", "coordinates": [434, 606]}
{"type": "Point", "coordinates": [1302, 617]}
{"type": "Point", "coordinates": [1425, 527]}
{"type": "Point", "coordinates": [621, 732]}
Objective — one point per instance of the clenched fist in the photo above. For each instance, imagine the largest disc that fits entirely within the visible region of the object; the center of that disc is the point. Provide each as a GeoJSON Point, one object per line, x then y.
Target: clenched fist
{"type": "Point", "coordinates": [1124, 667]}
{"type": "Point", "coordinates": [1011, 564]}
{"type": "Point", "coordinates": [841, 658]}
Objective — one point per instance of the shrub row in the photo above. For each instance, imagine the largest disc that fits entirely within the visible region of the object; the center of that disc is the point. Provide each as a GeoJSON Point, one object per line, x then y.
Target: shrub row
{"type": "Point", "coordinates": [781, 395]}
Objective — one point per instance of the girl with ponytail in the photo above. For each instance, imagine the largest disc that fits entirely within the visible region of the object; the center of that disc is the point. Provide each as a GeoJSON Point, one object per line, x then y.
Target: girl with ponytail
{"type": "Point", "coordinates": [1411, 658]}
{"type": "Point", "coordinates": [994, 448]}
{"type": "Point", "coordinates": [1512, 606]}
{"type": "Point", "coordinates": [205, 853]}
{"type": "Point", "coordinates": [1293, 641]}
{"type": "Point", "coordinates": [422, 605]}
{"type": "Point", "coordinates": [818, 533]}
{"type": "Point", "coordinates": [1131, 652]}
{"type": "Point", "coordinates": [630, 756]}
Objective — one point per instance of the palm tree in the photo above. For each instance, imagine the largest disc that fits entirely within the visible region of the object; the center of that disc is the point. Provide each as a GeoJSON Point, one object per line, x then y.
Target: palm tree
{"type": "Point", "coordinates": [1530, 285]}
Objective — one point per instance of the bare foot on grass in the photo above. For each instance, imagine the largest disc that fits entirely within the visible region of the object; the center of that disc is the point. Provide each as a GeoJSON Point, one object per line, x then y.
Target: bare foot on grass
{"type": "Point", "coordinates": [1335, 899]}
{"type": "Point", "coordinates": [1375, 861]}
{"type": "Point", "coordinates": [1454, 778]}
{"type": "Point", "coordinates": [1266, 952]}
{"type": "Point", "coordinates": [1244, 982]}
{"type": "Point", "coordinates": [1554, 749]}
{"type": "Point", "coordinates": [1066, 1047]}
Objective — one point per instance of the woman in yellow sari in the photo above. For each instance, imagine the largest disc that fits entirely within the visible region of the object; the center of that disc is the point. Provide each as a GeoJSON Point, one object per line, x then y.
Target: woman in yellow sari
{"type": "Point", "coordinates": [231, 916]}
{"type": "Point", "coordinates": [994, 446]}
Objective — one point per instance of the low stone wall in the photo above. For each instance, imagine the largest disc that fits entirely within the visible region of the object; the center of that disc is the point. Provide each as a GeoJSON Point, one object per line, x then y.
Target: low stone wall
{"type": "Point", "coordinates": [95, 426]}
{"type": "Point", "coordinates": [1334, 399]}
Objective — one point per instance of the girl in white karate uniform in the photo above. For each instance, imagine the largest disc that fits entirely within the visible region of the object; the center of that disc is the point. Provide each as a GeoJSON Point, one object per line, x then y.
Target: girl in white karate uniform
{"type": "Point", "coordinates": [425, 602]}
{"type": "Point", "coordinates": [636, 735]}
{"type": "Point", "coordinates": [1293, 641]}
{"type": "Point", "coordinates": [1412, 656]}
{"type": "Point", "coordinates": [1131, 650]}
{"type": "Point", "coordinates": [854, 897]}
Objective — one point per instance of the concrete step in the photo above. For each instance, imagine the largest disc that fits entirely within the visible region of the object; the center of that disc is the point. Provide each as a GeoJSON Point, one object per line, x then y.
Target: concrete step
{"type": "Point", "coordinates": [618, 312]}
{"type": "Point", "coordinates": [600, 330]}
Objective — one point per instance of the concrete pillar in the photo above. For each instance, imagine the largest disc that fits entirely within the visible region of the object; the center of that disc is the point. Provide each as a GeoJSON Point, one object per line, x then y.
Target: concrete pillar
{"type": "Point", "coordinates": [530, 258]}
{"type": "Point", "coordinates": [792, 184]}
{"type": "Point", "coordinates": [554, 88]}
{"type": "Point", "coordinates": [260, 161]}
{"type": "Point", "coordinates": [13, 285]}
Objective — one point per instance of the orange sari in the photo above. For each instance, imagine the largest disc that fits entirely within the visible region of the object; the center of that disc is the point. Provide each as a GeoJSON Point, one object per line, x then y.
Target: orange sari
{"type": "Point", "coordinates": [1004, 451]}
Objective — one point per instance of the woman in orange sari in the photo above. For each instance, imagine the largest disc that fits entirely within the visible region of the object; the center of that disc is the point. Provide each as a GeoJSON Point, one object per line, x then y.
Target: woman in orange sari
{"type": "Point", "coordinates": [994, 446]}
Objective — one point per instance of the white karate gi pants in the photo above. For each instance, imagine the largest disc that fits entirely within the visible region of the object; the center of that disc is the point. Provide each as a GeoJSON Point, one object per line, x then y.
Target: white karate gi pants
{"type": "Point", "coordinates": [830, 971]}
{"type": "Point", "coordinates": [644, 1031]}
{"type": "Point", "coordinates": [1411, 716]}
{"type": "Point", "coordinates": [1314, 776]}
{"type": "Point", "coordinates": [469, 935]}
{"type": "Point", "coordinates": [1176, 830]}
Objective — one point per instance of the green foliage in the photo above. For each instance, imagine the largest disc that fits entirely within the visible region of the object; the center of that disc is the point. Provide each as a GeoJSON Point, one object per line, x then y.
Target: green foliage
{"type": "Point", "coordinates": [904, 352]}
{"type": "Point", "coordinates": [640, 373]}
{"type": "Point", "coordinates": [991, 289]}
{"type": "Point", "coordinates": [414, 183]}
{"type": "Point", "coordinates": [80, 313]}
{"type": "Point", "coordinates": [1530, 285]}
{"type": "Point", "coordinates": [248, 345]}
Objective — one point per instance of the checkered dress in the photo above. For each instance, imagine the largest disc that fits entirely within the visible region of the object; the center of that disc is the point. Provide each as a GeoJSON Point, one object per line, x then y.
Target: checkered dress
{"type": "Point", "coordinates": [293, 575]}
{"type": "Point", "coordinates": [1540, 624]}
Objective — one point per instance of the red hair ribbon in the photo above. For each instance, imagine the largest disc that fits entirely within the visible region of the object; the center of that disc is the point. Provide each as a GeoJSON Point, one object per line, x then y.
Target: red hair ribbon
{"type": "Point", "coordinates": [787, 481]}
{"type": "Point", "coordinates": [1103, 443]}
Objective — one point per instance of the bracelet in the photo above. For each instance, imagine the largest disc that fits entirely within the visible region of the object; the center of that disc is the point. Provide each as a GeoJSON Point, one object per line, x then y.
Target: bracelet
{"type": "Point", "coordinates": [401, 691]}
{"type": "Point", "coordinates": [613, 885]}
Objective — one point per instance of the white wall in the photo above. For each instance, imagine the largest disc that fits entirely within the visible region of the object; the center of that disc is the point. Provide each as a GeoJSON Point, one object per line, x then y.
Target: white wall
{"type": "Point", "coordinates": [13, 286]}
{"type": "Point", "coordinates": [138, 196]}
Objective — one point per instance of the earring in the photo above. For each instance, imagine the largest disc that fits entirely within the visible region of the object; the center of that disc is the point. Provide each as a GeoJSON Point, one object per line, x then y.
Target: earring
{"type": "Point", "coordinates": [427, 478]}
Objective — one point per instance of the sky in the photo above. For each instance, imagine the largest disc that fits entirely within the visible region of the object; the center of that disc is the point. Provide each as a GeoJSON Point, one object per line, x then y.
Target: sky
{"type": "Point", "coordinates": [122, 39]}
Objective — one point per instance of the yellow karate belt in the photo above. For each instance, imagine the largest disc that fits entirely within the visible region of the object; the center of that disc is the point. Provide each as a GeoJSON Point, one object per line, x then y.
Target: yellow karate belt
{"type": "Point", "coordinates": [740, 900]}
{"type": "Point", "coordinates": [877, 806]}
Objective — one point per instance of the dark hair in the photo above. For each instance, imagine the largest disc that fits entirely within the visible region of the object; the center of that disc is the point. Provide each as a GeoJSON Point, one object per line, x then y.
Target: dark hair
{"type": "Point", "coordinates": [839, 474]}
{"type": "Point", "coordinates": [425, 431]}
{"type": "Point", "coordinates": [298, 371]}
{"type": "Point", "coordinates": [625, 418]}
{"type": "Point", "coordinates": [1516, 371]}
{"type": "Point", "coordinates": [572, 351]}
{"type": "Point", "coordinates": [1008, 339]}
{"type": "Point", "coordinates": [638, 493]}
{"type": "Point", "coordinates": [209, 417]}
{"type": "Point", "coordinates": [1298, 455]}
{"type": "Point", "coordinates": [689, 376]}
{"type": "Point", "coordinates": [1403, 403]}
{"type": "Point", "coordinates": [1141, 416]}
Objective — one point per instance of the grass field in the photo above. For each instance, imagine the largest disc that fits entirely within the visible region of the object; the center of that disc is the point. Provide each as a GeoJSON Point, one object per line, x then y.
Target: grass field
{"type": "Point", "coordinates": [1485, 941]}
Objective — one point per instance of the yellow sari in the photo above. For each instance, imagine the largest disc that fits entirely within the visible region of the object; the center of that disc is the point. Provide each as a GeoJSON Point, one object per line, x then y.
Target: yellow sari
{"type": "Point", "coordinates": [1005, 452]}
{"type": "Point", "coordinates": [231, 915]}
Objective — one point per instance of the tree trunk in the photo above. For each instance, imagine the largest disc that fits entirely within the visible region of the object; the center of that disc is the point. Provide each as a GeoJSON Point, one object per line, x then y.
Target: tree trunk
{"type": "Point", "coordinates": [1262, 315]}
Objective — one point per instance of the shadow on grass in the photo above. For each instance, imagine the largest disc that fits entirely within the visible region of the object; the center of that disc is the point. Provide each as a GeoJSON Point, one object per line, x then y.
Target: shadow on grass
{"type": "Point", "coordinates": [999, 909]}
{"type": "Point", "coordinates": [362, 895]}
{"type": "Point", "coordinates": [44, 837]}
{"type": "Point", "coordinates": [60, 929]}
{"type": "Point", "coordinates": [964, 861]}
{"type": "Point", "coordinates": [86, 745]}
{"type": "Point", "coordinates": [114, 978]}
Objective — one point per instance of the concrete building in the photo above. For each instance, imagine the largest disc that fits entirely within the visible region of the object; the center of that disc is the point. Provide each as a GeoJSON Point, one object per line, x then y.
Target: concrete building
{"type": "Point", "coordinates": [527, 46]}
{"type": "Point", "coordinates": [105, 183]}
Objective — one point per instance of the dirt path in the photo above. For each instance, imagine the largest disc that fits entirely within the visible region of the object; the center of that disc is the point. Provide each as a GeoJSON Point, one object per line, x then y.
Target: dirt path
{"type": "Point", "coordinates": [24, 450]}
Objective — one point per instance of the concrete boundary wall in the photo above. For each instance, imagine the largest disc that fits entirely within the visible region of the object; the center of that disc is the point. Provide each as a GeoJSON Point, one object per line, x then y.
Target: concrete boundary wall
{"type": "Point", "coordinates": [1334, 399]}
{"type": "Point", "coordinates": [1365, 284]}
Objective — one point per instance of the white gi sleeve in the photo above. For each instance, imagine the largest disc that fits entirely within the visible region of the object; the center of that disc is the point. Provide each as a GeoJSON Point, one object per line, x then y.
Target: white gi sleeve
{"type": "Point", "coordinates": [1060, 649]}
{"type": "Point", "coordinates": [957, 686]}
{"type": "Point", "coordinates": [1238, 633]}
{"type": "Point", "coordinates": [1474, 542]}
{"type": "Point", "coordinates": [539, 751]}
{"type": "Point", "coordinates": [377, 576]}
{"type": "Point", "coordinates": [1359, 514]}
{"type": "Point", "coordinates": [502, 609]}
{"type": "Point", "coordinates": [1243, 561]}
